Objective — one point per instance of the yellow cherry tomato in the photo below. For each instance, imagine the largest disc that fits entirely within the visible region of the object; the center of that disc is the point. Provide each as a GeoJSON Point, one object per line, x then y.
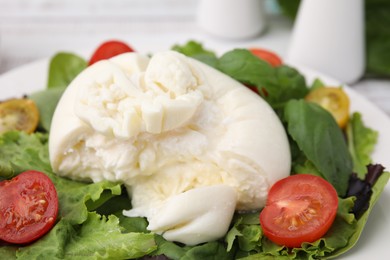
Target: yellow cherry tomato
{"type": "Point", "coordinates": [18, 114]}
{"type": "Point", "coordinates": [334, 100]}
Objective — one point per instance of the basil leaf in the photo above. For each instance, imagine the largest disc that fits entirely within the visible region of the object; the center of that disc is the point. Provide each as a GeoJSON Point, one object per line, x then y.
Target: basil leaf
{"type": "Point", "coordinates": [196, 50]}
{"type": "Point", "coordinates": [281, 83]}
{"type": "Point", "coordinates": [64, 67]}
{"type": "Point", "coordinates": [286, 84]}
{"type": "Point", "coordinates": [321, 140]}
{"type": "Point", "coordinates": [46, 101]}
{"type": "Point", "coordinates": [243, 66]}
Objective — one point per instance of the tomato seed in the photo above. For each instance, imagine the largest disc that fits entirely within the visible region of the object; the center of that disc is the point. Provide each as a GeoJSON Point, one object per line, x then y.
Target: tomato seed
{"type": "Point", "coordinates": [294, 224]}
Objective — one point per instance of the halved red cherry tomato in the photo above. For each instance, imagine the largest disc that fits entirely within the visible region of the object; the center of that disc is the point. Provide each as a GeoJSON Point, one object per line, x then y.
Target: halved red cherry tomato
{"type": "Point", "coordinates": [300, 208]}
{"type": "Point", "coordinates": [28, 207]}
{"type": "Point", "coordinates": [108, 50]}
{"type": "Point", "coordinates": [334, 100]}
{"type": "Point", "coordinates": [272, 58]}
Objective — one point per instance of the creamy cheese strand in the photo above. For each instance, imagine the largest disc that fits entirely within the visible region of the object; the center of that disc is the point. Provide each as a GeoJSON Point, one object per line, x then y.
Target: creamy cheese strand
{"type": "Point", "coordinates": [191, 144]}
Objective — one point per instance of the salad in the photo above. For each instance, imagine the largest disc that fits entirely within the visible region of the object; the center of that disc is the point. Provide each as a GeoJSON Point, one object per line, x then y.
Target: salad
{"type": "Point", "coordinates": [90, 223]}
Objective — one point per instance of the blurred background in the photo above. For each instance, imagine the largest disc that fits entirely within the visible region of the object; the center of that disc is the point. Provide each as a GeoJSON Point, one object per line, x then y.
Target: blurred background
{"type": "Point", "coordinates": [35, 29]}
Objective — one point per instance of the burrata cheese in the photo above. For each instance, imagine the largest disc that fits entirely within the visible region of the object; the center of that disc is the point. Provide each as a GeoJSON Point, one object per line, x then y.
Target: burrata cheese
{"type": "Point", "coordinates": [190, 144]}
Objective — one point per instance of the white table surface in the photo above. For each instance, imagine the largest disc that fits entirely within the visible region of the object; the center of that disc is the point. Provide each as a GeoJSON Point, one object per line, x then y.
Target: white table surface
{"type": "Point", "coordinates": [35, 29]}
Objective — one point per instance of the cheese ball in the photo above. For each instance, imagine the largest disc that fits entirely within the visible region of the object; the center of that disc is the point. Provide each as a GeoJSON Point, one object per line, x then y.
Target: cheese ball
{"type": "Point", "coordinates": [175, 132]}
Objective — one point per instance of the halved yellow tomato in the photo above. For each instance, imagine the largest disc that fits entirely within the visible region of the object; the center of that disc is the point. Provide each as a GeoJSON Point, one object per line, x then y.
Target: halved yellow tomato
{"type": "Point", "coordinates": [18, 114]}
{"type": "Point", "coordinates": [334, 100]}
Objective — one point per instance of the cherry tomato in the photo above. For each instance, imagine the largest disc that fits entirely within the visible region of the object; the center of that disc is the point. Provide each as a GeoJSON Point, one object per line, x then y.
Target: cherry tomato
{"type": "Point", "coordinates": [108, 50]}
{"type": "Point", "coordinates": [18, 114]}
{"type": "Point", "coordinates": [334, 100]}
{"type": "Point", "coordinates": [28, 207]}
{"type": "Point", "coordinates": [272, 58]}
{"type": "Point", "coordinates": [299, 208]}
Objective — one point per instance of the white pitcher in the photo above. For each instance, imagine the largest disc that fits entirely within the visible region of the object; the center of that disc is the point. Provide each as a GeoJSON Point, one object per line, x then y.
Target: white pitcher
{"type": "Point", "coordinates": [328, 36]}
{"type": "Point", "coordinates": [234, 19]}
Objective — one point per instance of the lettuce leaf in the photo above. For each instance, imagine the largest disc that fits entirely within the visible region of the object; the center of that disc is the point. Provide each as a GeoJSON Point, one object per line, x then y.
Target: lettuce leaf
{"type": "Point", "coordinates": [359, 224]}
{"type": "Point", "coordinates": [246, 231]}
{"type": "Point", "coordinates": [247, 236]}
{"type": "Point", "coordinates": [210, 250]}
{"type": "Point", "coordinates": [99, 237]}
{"type": "Point", "coordinates": [20, 152]}
{"type": "Point", "coordinates": [77, 225]}
{"type": "Point", "coordinates": [8, 252]}
{"type": "Point", "coordinates": [361, 143]}
{"type": "Point", "coordinates": [74, 196]}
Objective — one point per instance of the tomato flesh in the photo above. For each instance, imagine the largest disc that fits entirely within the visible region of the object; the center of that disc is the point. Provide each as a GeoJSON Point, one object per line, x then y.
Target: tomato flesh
{"type": "Point", "coordinates": [108, 50]}
{"type": "Point", "coordinates": [272, 58]}
{"type": "Point", "coordinates": [28, 207]}
{"type": "Point", "coordinates": [299, 208]}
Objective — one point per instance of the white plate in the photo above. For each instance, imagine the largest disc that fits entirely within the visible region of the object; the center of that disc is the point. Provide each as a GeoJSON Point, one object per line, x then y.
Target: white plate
{"type": "Point", "coordinates": [373, 242]}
